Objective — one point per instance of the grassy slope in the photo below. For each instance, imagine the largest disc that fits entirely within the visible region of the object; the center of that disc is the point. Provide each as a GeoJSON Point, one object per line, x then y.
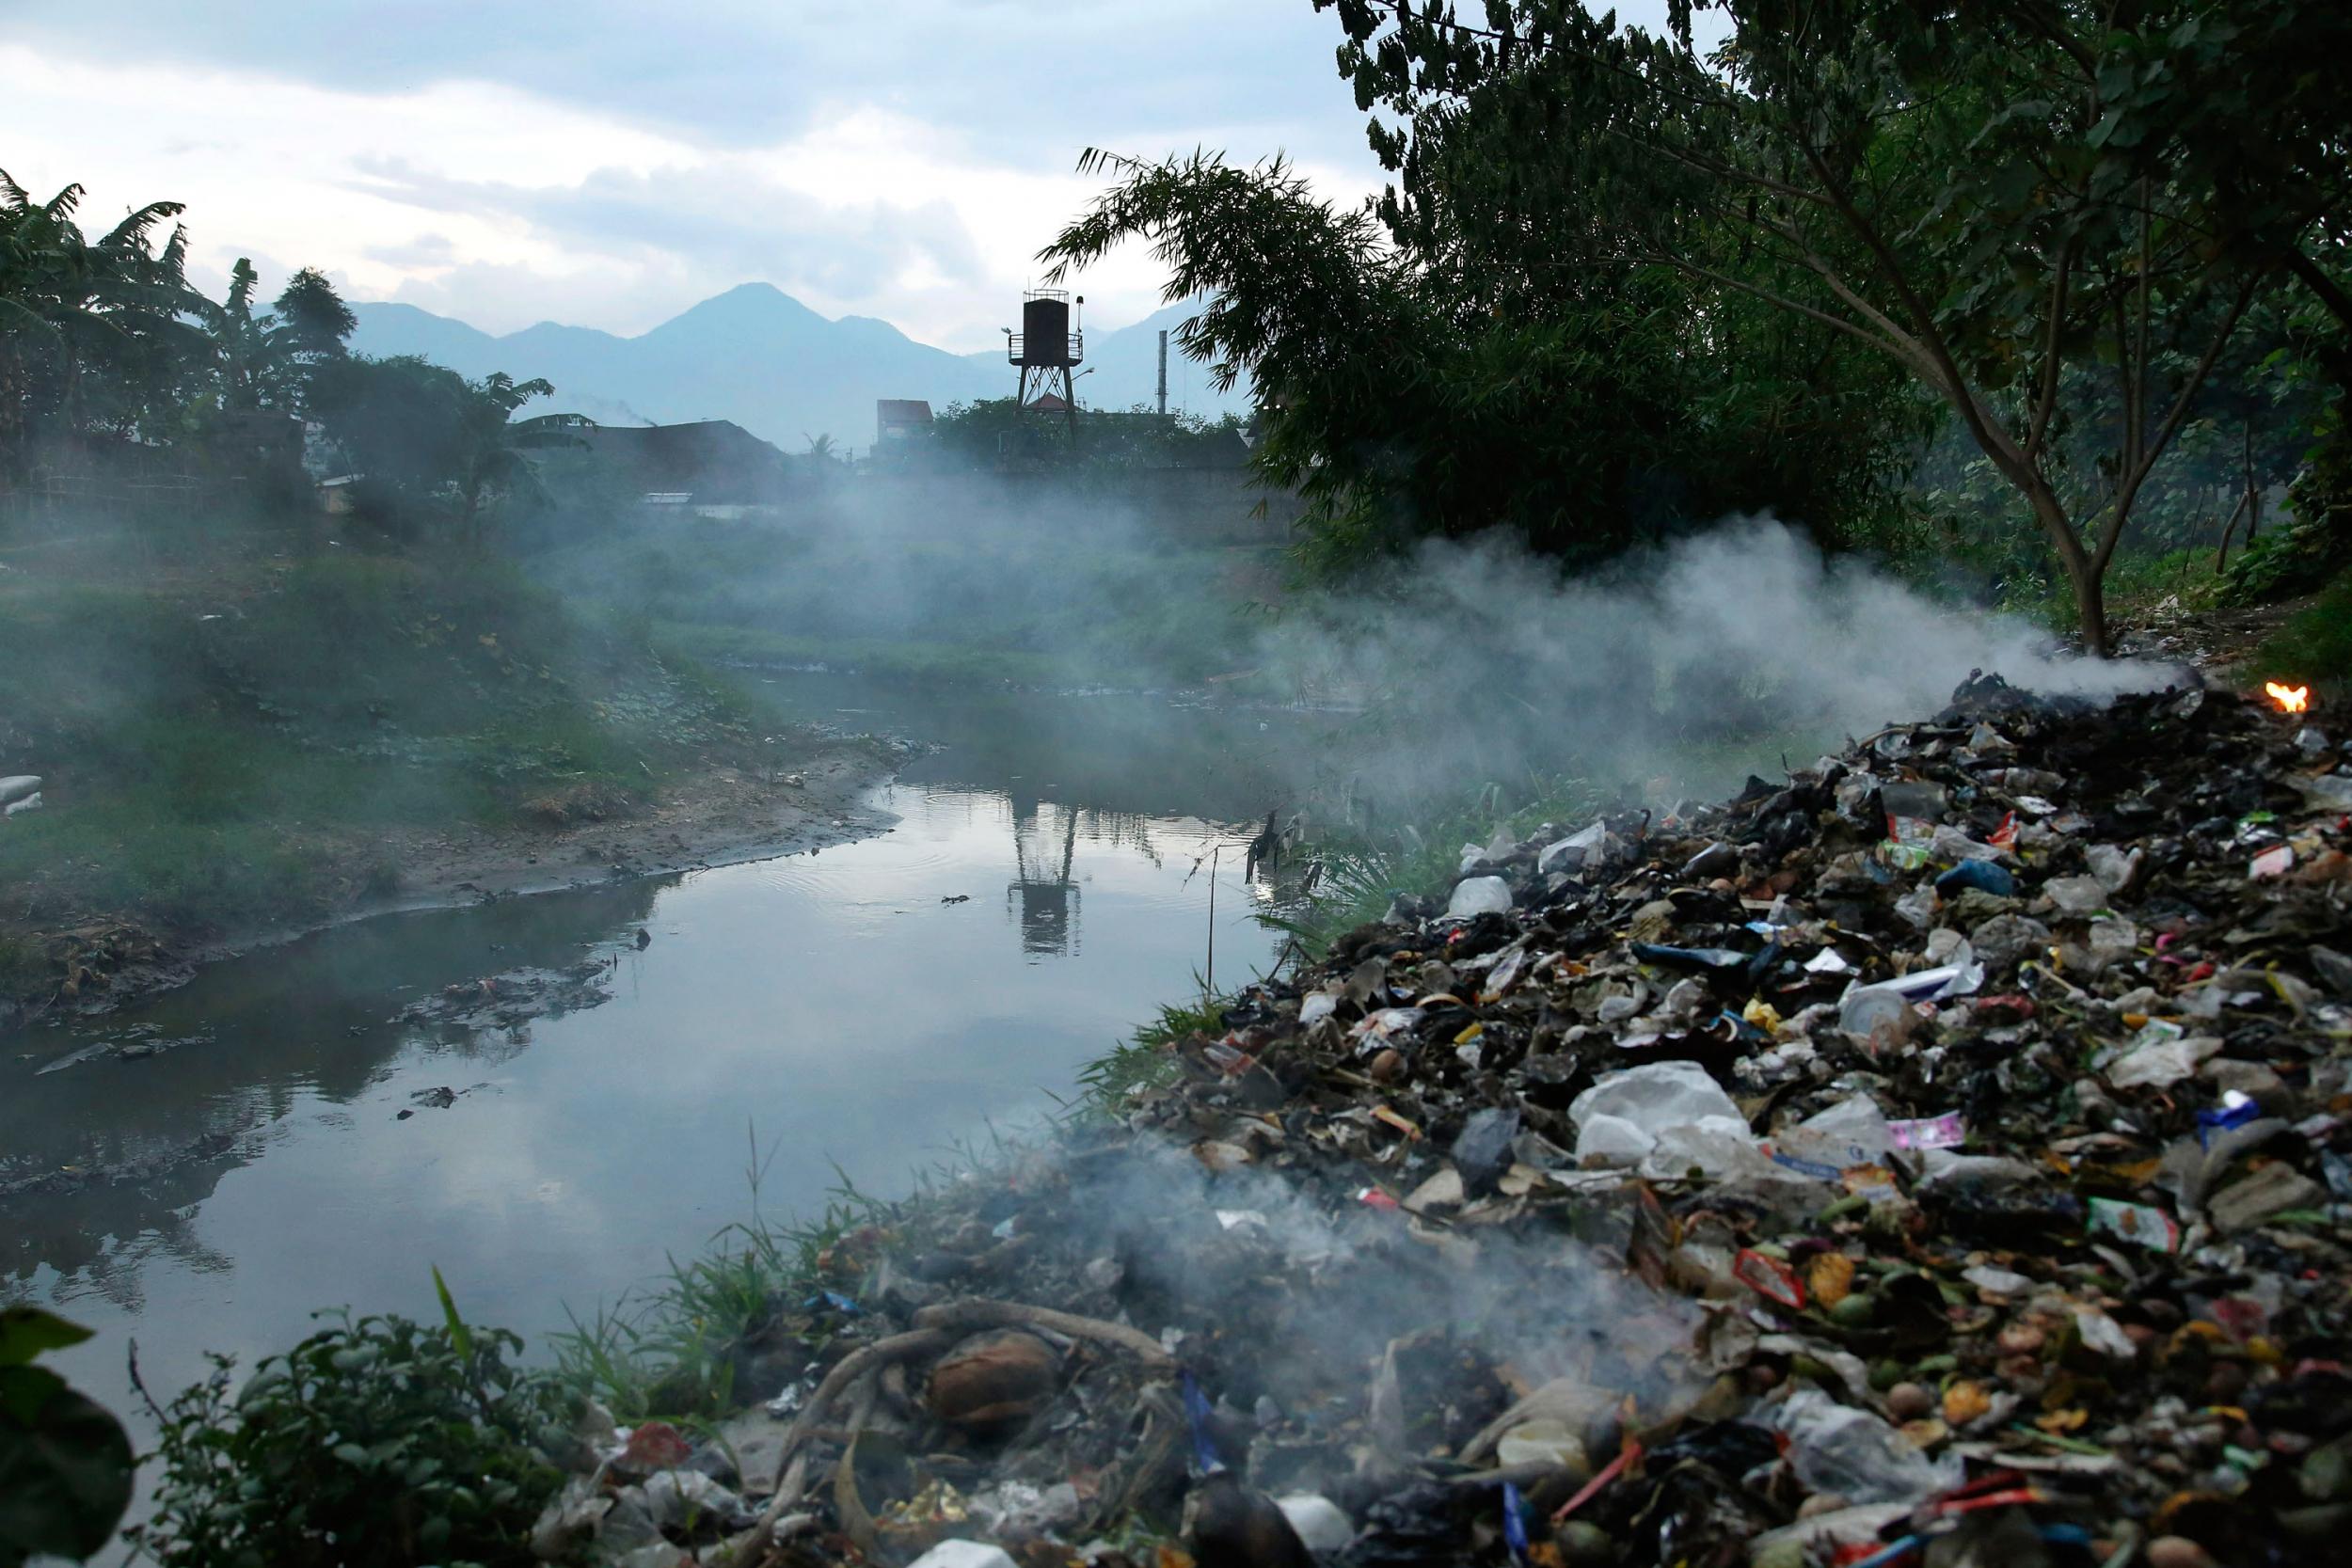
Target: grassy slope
{"type": "Point", "coordinates": [1040, 607]}
{"type": "Point", "coordinates": [2314, 645]}
{"type": "Point", "coordinates": [226, 742]}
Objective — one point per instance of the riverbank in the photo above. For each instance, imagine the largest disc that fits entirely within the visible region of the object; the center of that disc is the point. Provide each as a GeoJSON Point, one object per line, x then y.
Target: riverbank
{"type": "Point", "coordinates": [244, 743]}
{"type": "Point", "coordinates": [722, 816]}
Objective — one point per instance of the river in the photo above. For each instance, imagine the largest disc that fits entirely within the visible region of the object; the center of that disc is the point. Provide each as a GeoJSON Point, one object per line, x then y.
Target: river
{"type": "Point", "coordinates": [858, 1011]}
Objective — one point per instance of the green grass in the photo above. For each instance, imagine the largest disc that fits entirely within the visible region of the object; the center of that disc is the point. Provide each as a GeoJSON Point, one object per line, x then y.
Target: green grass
{"type": "Point", "coordinates": [1039, 607]}
{"type": "Point", "coordinates": [1143, 1061]}
{"type": "Point", "coordinates": [909, 660]}
{"type": "Point", "coordinates": [1357, 874]}
{"type": "Point", "coordinates": [676, 1352]}
{"type": "Point", "coordinates": [22, 964]}
{"type": "Point", "coordinates": [2315, 644]}
{"type": "Point", "coordinates": [224, 739]}
{"type": "Point", "coordinates": [2135, 582]}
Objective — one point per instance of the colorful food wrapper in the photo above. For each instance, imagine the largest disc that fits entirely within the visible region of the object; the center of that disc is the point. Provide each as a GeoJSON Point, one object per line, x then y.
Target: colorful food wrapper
{"type": "Point", "coordinates": [1769, 1277]}
{"type": "Point", "coordinates": [2140, 1222]}
{"type": "Point", "coordinates": [1944, 1131]}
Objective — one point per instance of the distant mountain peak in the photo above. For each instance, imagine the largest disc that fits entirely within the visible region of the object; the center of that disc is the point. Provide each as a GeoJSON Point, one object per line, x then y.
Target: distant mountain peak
{"type": "Point", "coordinates": [746, 300]}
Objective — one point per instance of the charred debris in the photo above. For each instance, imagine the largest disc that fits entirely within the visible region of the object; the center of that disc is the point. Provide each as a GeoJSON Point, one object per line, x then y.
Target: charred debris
{"type": "Point", "coordinates": [1938, 1157]}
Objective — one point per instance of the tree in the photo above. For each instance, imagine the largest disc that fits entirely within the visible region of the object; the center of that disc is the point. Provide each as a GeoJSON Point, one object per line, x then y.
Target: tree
{"type": "Point", "coordinates": [1983, 193]}
{"type": "Point", "coordinates": [492, 444]}
{"type": "Point", "coordinates": [2253, 97]}
{"type": "Point", "coordinates": [266, 361]}
{"type": "Point", "coordinates": [90, 332]}
{"type": "Point", "coordinates": [312, 318]}
{"type": "Point", "coordinates": [1405, 389]}
{"type": "Point", "coordinates": [428, 440]}
{"type": "Point", "coordinates": [246, 367]}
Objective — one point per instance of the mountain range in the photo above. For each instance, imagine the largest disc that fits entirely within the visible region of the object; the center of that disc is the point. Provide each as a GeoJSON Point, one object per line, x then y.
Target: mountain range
{"type": "Point", "coordinates": [759, 357]}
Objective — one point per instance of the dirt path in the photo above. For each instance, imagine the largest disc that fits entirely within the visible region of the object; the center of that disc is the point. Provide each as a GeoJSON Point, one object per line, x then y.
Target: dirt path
{"type": "Point", "coordinates": [2217, 642]}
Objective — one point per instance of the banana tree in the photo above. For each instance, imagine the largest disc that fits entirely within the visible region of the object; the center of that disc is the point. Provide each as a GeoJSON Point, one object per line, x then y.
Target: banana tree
{"type": "Point", "coordinates": [113, 312]}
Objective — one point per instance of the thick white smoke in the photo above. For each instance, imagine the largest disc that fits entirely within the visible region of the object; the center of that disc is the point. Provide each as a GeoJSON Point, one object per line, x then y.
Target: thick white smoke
{"type": "Point", "coordinates": [1485, 662]}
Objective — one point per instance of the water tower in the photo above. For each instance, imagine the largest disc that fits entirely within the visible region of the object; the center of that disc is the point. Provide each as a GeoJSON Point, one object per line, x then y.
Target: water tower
{"type": "Point", "coordinates": [1046, 348]}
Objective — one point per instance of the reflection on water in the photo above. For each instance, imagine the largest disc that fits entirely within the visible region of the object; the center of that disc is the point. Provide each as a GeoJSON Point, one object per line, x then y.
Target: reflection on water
{"type": "Point", "coordinates": [1042, 891]}
{"type": "Point", "coordinates": [206, 1170]}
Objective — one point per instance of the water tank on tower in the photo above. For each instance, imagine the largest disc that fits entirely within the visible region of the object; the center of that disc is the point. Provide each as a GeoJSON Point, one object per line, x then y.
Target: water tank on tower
{"type": "Point", "coordinates": [1045, 348]}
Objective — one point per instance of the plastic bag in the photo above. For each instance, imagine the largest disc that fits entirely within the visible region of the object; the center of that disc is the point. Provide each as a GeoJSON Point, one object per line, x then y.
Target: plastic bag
{"type": "Point", "coordinates": [1851, 1133]}
{"type": "Point", "coordinates": [1570, 852]}
{"type": "Point", "coordinates": [1474, 896]}
{"type": "Point", "coordinates": [1673, 1109]}
{"type": "Point", "coordinates": [1837, 1449]}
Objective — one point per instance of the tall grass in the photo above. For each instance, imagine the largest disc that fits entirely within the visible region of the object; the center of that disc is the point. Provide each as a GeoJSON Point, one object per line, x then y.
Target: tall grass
{"type": "Point", "coordinates": [1145, 1060]}
{"type": "Point", "coordinates": [676, 1351]}
{"type": "Point", "coordinates": [1355, 874]}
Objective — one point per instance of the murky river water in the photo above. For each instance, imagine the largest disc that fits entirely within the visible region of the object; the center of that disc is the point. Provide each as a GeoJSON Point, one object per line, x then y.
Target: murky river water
{"type": "Point", "coordinates": [833, 1006]}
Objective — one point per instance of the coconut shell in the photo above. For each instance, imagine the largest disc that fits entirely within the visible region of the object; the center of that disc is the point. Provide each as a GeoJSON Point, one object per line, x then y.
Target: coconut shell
{"type": "Point", "coordinates": [990, 1380]}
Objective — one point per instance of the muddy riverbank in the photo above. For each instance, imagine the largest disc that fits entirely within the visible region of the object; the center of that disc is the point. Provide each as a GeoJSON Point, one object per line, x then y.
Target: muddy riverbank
{"type": "Point", "coordinates": [89, 961]}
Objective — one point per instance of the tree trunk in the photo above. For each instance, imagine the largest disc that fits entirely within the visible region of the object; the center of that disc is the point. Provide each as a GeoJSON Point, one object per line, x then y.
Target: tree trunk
{"type": "Point", "coordinates": [2221, 559]}
{"type": "Point", "coordinates": [2253, 495]}
{"type": "Point", "coordinates": [2091, 608]}
{"type": "Point", "coordinates": [2085, 576]}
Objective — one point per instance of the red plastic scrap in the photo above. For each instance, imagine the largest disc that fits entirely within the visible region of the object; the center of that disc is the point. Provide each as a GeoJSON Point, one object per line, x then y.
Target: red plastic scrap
{"type": "Point", "coordinates": [2018, 1494]}
{"type": "Point", "coordinates": [1373, 1198]}
{"type": "Point", "coordinates": [1769, 1277]}
{"type": "Point", "coordinates": [1609, 1472]}
{"type": "Point", "coordinates": [1229, 1058]}
{"type": "Point", "coordinates": [2241, 1317]}
{"type": "Point", "coordinates": [656, 1446]}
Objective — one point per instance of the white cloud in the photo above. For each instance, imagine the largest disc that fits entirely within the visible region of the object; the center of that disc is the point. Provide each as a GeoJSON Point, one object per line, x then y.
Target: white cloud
{"type": "Point", "coordinates": [484, 201]}
{"type": "Point", "coordinates": [522, 163]}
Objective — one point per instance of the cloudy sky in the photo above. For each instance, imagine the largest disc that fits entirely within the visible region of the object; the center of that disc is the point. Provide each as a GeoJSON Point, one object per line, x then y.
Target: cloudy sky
{"type": "Point", "coordinates": [607, 163]}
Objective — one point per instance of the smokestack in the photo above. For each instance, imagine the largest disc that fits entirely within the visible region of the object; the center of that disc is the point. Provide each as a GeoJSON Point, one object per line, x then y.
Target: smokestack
{"type": "Point", "coordinates": [1163, 373]}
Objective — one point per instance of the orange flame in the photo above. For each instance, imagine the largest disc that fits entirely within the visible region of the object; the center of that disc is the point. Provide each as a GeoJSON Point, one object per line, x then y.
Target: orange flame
{"type": "Point", "coordinates": [2291, 699]}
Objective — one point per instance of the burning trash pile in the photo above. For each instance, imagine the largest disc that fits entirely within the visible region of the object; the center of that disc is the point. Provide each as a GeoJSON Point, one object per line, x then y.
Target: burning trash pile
{"type": "Point", "coordinates": [1937, 1157]}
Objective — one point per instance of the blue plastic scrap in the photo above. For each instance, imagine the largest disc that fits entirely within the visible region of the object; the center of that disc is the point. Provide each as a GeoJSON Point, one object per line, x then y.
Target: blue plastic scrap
{"type": "Point", "coordinates": [1689, 958]}
{"type": "Point", "coordinates": [1204, 1456]}
{"type": "Point", "coordinates": [1983, 876]}
{"type": "Point", "coordinates": [2211, 1124]}
{"type": "Point", "coordinates": [1514, 1523]}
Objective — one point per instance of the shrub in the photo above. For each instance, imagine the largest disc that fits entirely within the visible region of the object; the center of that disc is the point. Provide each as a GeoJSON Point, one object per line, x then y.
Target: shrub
{"type": "Point", "coordinates": [378, 1443]}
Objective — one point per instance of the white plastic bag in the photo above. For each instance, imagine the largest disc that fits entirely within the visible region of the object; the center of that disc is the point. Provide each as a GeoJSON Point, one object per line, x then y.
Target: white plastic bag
{"type": "Point", "coordinates": [1624, 1117]}
{"type": "Point", "coordinates": [1474, 896]}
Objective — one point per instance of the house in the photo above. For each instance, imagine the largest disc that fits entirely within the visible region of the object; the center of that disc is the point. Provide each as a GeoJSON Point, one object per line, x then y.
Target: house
{"type": "Point", "coordinates": [335, 499]}
{"type": "Point", "coordinates": [708, 468]}
{"type": "Point", "coordinates": [898, 420]}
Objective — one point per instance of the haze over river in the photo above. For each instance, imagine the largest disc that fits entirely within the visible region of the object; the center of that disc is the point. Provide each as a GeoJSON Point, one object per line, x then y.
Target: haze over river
{"type": "Point", "coordinates": [832, 1005]}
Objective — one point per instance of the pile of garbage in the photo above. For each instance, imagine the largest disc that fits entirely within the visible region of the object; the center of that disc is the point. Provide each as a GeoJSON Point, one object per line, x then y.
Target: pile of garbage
{"type": "Point", "coordinates": [1937, 1156]}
